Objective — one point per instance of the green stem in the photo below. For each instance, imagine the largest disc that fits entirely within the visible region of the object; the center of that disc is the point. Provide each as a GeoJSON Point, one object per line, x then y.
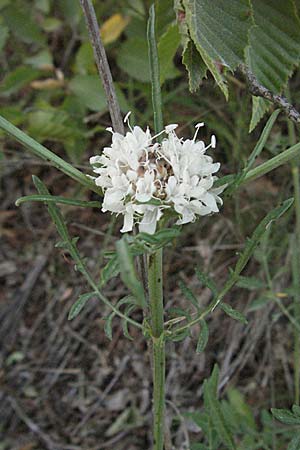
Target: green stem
{"type": "Point", "coordinates": [154, 72]}
{"type": "Point", "coordinates": [156, 307]}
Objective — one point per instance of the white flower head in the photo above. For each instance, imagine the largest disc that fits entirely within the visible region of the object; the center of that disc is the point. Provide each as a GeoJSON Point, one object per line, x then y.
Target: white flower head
{"type": "Point", "coordinates": [142, 179]}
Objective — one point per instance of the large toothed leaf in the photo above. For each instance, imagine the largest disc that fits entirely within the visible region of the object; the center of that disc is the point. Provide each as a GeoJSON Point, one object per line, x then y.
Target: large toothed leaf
{"type": "Point", "coordinates": [274, 47]}
{"type": "Point", "coordinates": [219, 30]}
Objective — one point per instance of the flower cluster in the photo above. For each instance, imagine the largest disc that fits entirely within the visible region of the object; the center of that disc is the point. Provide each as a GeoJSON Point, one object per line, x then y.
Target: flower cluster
{"type": "Point", "coordinates": [143, 180]}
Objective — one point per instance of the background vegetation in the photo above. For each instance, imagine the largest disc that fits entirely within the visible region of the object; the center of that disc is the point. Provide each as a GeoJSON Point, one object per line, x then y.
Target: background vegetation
{"type": "Point", "coordinates": [64, 385]}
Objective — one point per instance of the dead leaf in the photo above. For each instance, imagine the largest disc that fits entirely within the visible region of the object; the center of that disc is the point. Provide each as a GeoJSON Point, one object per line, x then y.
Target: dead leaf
{"type": "Point", "coordinates": [113, 28]}
{"type": "Point", "coordinates": [49, 83]}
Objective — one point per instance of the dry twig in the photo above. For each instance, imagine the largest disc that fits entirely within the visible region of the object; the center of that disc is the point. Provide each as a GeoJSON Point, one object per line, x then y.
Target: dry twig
{"type": "Point", "coordinates": [102, 65]}
{"type": "Point", "coordinates": [259, 90]}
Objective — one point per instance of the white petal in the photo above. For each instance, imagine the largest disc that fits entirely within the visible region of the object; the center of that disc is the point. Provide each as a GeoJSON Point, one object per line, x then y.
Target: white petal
{"type": "Point", "coordinates": [148, 223]}
{"type": "Point", "coordinates": [128, 222]}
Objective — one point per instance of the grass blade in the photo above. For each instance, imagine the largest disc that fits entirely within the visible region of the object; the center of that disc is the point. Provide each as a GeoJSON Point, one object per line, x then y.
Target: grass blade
{"type": "Point", "coordinates": [45, 154]}
{"type": "Point", "coordinates": [57, 199]}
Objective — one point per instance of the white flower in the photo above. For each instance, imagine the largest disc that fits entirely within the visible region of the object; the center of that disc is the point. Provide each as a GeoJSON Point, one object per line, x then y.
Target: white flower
{"type": "Point", "coordinates": [142, 179]}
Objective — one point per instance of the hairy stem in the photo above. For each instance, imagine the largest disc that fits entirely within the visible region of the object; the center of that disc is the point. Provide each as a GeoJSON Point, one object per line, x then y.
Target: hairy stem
{"type": "Point", "coordinates": [258, 90]}
{"type": "Point", "coordinates": [102, 65]}
{"type": "Point", "coordinates": [158, 344]}
{"type": "Point", "coordinates": [155, 282]}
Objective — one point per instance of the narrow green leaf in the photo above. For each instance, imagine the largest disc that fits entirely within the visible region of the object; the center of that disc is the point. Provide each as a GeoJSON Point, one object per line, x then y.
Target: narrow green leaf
{"type": "Point", "coordinates": [45, 154]}
{"type": "Point", "coordinates": [57, 199]}
{"type": "Point", "coordinates": [178, 337]}
{"type": "Point", "coordinates": [215, 411]}
{"type": "Point", "coordinates": [233, 313]}
{"type": "Point", "coordinates": [258, 233]}
{"type": "Point", "coordinates": [58, 220]}
{"type": "Point", "coordinates": [255, 153]}
{"type": "Point", "coordinates": [127, 312]}
{"type": "Point", "coordinates": [206, 281]}
{"type": "Point", "coordinates": [273, 163]}
{"type": "Point", "coordinates": [78, 306]}
{"type": "Point", "coordinates": [250, 283]}
{"type": "Point", "coordinates": [203, 337]}
{"type": "Point", "coordinates": [188, 294]}
{"type": "Point", "coordinates": [109, 271]}
{"type": "Point", "coordinates": [108, 325]}
{"type": "Point", "coordinates": [285, 416]}
{"type": "Point", "coordinates": [128, 273]}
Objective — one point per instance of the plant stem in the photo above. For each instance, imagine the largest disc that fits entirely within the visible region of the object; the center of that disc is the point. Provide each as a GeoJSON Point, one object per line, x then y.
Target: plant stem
{"type": "Point", "coordinates": [155, 279]}
{"type": "Point", "coordinates": [154, 72]}
{"type": "Point", "coordinates": [102, 65]}
{"type": "Point", "coordinates": [158, 343]}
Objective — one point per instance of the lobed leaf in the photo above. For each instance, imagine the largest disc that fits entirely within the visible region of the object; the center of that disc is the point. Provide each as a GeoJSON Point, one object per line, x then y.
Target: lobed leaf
{"type": "Point", "coordinates": [233, 313]}
{"type": "Point", "coordinates": [285, 416]}
{"type": "Point", "coordinates": [78, 306]}
{"type": "Point", "coordinates": [203, 337]}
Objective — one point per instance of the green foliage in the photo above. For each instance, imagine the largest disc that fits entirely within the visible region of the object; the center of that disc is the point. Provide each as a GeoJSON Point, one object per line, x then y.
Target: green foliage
{"type": "Point", "coordinates": [213, 407]}
{"type": "Point", "coordinates": [128, 273]}
{"type": "Point", "coordinates": [287, 417]}
{"type": "Point", "coordinates": [203, 337]}
{"type": "Point", "coordinates": [78, 306]}
{"type": "Point", "coordinates": [227, 34]}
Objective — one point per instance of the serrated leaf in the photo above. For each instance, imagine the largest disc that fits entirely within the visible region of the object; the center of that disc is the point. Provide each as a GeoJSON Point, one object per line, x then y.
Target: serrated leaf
{"type": "Point", "coordinates": [274, 48]}
{"type": "Point", "coordinates": [259, 107]}
{"type": "Point", "coordinates": [203, 337]}
{"type": "Point", "coordinates": [219, 30]}
{"type": "Point", "coordinates": [274, 42]}
{"type": "Point", "coordinates": [285, 416]}
{"type": "Point", "coordinates": [233, 313]}
{"type": "Point", "coordinates": [194, 64]}
{"type": "Point", "coordinates": [78, 306]}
